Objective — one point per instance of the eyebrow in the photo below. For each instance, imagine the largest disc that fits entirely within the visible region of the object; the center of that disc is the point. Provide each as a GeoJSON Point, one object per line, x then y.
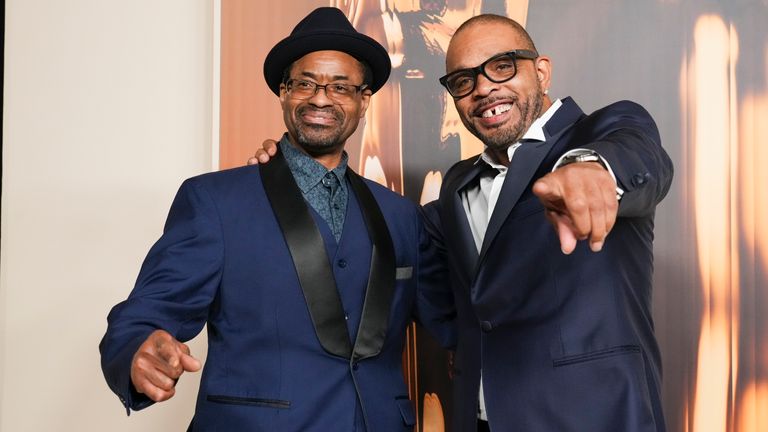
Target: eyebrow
{"type": "Point", "coordinates": [333, 78]}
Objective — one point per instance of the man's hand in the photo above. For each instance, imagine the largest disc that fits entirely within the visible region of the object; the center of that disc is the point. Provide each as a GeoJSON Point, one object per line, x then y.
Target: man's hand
{"type": "Point", "coordinates": [262, 155]}
{"type": "Point", "coordinates": [158, 364]}
{"type": "Point", "coordinates": [581, 203]}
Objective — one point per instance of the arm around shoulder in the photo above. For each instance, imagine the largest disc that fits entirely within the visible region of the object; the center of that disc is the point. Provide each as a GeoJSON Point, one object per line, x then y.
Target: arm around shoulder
{"type": "Point", "coordinates": [435, 309]}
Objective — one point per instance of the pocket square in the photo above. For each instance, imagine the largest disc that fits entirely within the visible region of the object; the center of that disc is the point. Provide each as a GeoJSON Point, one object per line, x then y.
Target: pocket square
{"type": "Point", "coordinates": [403, 272]}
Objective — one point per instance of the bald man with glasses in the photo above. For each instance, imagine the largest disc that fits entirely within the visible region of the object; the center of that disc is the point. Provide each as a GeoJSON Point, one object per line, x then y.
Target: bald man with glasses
{"type": "Point", "coordinates": [555, 326]}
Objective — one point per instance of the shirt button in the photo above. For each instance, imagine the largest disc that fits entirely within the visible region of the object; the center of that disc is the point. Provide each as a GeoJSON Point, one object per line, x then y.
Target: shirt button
{"type": "Point", "coordinates": [336, 206]}
{"type": "Point", "coordinates": [342, 263]}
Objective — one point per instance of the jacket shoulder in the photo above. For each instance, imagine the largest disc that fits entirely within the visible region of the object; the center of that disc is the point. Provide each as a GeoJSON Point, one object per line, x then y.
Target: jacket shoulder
{"type": "Point", "coordinates": [227, 179]}
{"type": "Point", "coordinates": [621, 108]}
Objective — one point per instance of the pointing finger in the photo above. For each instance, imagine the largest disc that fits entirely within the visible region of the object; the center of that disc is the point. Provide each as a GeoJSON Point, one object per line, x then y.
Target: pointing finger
{"type": "Point", "coordinates": [188, 362]}
{"type": "Point", "coordinates": [564, 230]}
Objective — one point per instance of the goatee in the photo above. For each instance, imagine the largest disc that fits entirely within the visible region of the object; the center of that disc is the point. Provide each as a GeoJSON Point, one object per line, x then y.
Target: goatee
{"type": "Point", "coordinates": [318, 140]}
{"type": "Point", "coordinates": [503, 137]}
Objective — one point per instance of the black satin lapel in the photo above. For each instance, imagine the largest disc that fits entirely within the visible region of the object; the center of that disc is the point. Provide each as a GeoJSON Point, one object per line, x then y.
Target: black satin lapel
{"type": "Point", "coordinates": [459, 223]}
{"type": "Point", "coordinates": [524, 165]}
{"type": "Point", "coordinates": [309, 256]}
{"type": "Point", "coordinates": [381, 279]}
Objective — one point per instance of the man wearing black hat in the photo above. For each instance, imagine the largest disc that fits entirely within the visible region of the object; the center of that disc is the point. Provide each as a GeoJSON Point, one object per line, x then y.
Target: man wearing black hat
{"type": "Point", "coordinates": [305, 274]}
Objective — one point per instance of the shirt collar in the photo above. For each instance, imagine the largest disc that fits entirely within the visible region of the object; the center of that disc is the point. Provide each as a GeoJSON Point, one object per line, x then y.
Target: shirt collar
{"type": "Point", "coordinates": [534, 133]}
{"type": "Point", "coordinates": [307, 171]}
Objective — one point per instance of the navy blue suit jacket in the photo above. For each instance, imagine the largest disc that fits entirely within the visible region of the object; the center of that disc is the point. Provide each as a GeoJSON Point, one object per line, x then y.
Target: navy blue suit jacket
{"type": "Point", "coordinates": [564, 342]}
{"type": "Point", "coordinates": [223, 261]}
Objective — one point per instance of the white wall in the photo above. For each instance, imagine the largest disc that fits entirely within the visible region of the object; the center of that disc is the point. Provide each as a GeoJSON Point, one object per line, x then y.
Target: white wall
{"type": "Point", "coordinates": [108, 107]}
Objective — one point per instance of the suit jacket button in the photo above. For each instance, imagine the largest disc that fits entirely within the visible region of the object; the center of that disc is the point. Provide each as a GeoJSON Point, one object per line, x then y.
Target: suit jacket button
{"type": "Point", "coordinates": [640, 179]}
{"type": "Point", "coordinates": [354, 366]}
{"type": "Point", "coordinates": [342, 263]}
{"type": "Point", "coordinates": [486, 326]}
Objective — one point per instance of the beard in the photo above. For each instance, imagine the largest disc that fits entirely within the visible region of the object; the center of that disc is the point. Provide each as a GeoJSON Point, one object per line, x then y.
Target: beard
{"type": "Point", "coordinates": [503, 136]}
{"type": "Point", "coordinates": [316, 139]}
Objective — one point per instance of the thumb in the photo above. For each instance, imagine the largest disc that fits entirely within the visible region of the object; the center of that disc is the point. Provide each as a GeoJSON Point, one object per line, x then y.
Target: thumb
{"type": "Point", "coordinates": [548, 192]}
{"type": "Point", "coordinates": [189, 363]}
{"type": "Point", "coordinates": [541, 188]}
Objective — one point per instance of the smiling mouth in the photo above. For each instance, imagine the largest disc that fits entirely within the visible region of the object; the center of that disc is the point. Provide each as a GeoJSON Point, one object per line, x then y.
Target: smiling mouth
{"type": "Point", "coordinates": [321, 118]}
{"type": "Point", "coordinates": [315, 117]}
{"type": "Point", "coordinates": [497, 110]}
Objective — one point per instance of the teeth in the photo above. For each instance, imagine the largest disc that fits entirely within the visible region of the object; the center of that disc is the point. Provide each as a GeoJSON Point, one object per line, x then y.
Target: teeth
{"type": "Point", "coordinates": [498, 109]}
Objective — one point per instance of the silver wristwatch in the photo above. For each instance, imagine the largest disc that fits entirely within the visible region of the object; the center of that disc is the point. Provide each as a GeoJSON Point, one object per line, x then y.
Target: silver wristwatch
{"type": "Point", "coordinates": [586, 155]}
{"type": "Point", "coordinates": [581, 156]}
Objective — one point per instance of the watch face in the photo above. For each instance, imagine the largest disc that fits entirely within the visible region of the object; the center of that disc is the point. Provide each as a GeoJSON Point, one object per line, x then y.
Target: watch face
{"type": "Point", "coordinates": [582, 156]}
{"type": "Point", "coordinates": [587, 158]}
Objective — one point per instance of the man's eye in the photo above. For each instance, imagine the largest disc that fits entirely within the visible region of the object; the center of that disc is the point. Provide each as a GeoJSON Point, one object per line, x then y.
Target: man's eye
{"type": "Point", "coordinates": [503, 66]}
{"type": "Point", "coordinates": [304, 85]}
{"type": "Point", "coordinates": [462, 82]}
{"type": "Point", "coordinates": [341, 89]}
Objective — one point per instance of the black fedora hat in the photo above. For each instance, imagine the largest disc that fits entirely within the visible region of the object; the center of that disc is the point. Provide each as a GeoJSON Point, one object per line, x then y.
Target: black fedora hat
{"type": "Point", "coordinates": [326, 28]}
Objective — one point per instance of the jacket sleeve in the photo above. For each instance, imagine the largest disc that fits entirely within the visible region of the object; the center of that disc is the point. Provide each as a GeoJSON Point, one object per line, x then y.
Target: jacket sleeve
{"type": "Point", "coordinates": [174, 290]}
{"type": "Point", "coordinates": [435, 309]}
{"type": "Point", "coordinates": [629, 140]}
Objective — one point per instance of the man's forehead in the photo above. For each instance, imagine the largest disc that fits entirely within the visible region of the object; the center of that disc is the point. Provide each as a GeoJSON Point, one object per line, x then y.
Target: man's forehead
{"type": "Point", "coordinates": [480, 42]}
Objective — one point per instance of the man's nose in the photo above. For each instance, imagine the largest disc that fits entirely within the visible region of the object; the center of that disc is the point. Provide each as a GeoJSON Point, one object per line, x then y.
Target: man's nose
{"type": "Point", "coordinates": [483, 87]}
{"type": "Point", "coordinates": [320, 98]}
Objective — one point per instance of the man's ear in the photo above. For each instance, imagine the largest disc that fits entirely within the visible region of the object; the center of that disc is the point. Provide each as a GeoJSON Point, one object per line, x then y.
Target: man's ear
{"type": "Point", "coordinates": [365, 96]}
{"type": "Point", "coordinates": [543, 71]}
{"type": "Point", "coordinates": [283, 93]}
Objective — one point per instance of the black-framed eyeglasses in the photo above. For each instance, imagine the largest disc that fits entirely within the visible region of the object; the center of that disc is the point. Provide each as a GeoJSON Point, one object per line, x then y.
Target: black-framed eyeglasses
{"type": "Point", "coordinates": [338, 92]}
{"type": "Point", "coordinates": [499, 68]}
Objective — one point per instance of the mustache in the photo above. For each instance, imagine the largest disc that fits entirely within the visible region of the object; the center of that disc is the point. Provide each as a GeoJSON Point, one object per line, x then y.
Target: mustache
{"type": "Point", "coordinates": [483, 104]}
{"type": "Point", "coordinates": [334, 113]}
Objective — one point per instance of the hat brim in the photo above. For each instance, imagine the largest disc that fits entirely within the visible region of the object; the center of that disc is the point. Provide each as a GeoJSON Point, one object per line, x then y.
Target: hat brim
{"type": "Point", "coordinates": [358, 46]}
